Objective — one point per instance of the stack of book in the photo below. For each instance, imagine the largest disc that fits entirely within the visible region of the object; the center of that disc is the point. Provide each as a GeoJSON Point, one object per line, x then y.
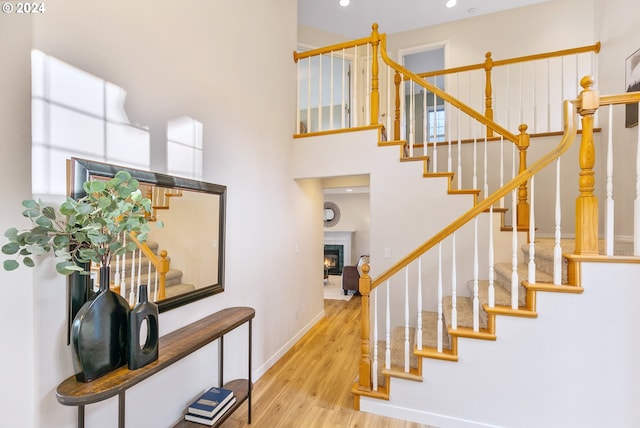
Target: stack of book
{"type": "Point", "coordinates": [211, 406]}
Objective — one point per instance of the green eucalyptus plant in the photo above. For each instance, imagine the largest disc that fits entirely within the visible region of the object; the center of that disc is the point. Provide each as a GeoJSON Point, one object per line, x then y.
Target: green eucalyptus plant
{"type": "Point", "coordinates": [88, 229]}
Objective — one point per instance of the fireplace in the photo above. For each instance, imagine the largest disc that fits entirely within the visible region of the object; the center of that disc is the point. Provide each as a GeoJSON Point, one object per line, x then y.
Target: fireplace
{"type": "Point", "coordinates": [333, 259]}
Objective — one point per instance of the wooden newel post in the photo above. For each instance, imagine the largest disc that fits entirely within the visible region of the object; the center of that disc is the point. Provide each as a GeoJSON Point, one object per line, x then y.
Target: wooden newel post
{"type": "Point", "coordinates": [488, 91]}
{"type": "Point", "coordinates": [397, 79]}
{"type": "Point", "coordinates": [523, 193]}
{"type": "Point", "coordinates": [375, 96]}
{"type": "Point", "coordinates": [364, 370]}
{"type": "Point", "coordinates": [587, 202]}
{"type": "Point", "coordinates": [162, 275]}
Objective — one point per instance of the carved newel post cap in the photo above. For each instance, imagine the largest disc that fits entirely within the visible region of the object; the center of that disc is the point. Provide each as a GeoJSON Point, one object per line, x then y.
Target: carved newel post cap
{"type": "Point", "coordinates": [587, 82]}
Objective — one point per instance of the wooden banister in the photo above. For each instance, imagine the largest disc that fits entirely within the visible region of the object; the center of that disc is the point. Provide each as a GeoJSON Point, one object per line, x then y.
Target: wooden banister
{"type": "Point", "coordinates": [489, 64]}
{"type": "Point", "coordinates": [366, 285]}
{"type": "Point", "coordinates": [160, 263]}
{"type": "Point", "coordinates": [567, 139]}
{"type": "Point", "coordinates": [583, 49]}
{"type": "Point", "coordinates": [443, 95]}
{"type": "Point", "coordinates": [522, 214]}
{"type": "Point", "coordinates": [587, 202]}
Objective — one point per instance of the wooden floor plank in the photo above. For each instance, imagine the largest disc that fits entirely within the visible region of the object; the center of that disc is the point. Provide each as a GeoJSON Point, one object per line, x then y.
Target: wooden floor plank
{"type": "Point", "coordinates": [310, 386]}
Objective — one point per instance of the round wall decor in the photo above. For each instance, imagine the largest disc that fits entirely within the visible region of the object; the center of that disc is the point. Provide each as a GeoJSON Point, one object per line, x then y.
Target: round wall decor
{"type": "Point", "coordinates": [331, 214]}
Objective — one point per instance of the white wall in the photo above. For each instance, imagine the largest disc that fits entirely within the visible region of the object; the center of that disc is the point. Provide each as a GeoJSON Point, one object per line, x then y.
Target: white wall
{"type": "Point", "coordinates": [617, 29]}
{"type": "Point", "coordinates": [17, 303]}
{"type": "Point", "coordinates": [191, 58]}
{"type": "Point", "coordinates": [573, 366]}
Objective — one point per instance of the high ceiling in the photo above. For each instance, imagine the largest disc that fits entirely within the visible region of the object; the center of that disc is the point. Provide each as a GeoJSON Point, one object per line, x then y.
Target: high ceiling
{"type": "Point", "coordinates": [393, 16]}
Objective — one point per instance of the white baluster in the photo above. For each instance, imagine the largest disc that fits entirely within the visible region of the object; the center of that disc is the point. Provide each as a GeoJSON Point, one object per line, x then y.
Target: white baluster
{"type": "Point", "coordinates": [123, 275]}
{"type": "Point", "coordinates": [532, 236]}
{"type": "Point", "coordinates": [475, 156]}
{"type": "Point", "coordinates": [389, 103]}
{"type": "Point", "coordinates": [320, 92]}
{"type": "Point", "coordinates": [448, 119]}
{"type": "Point", "coordinates": [548, 97]}
{"type": "Point", "coordinates": [459, 150]}
{"type": "Point", "coordinates": [406, 319]}
{"type": "Point", "coordinates": [508, 108]}
{"type": "Point", "coordinates": [374, 368]}
{"type": "Point", "coordinates": [514, 240]}
{"type": "Point", "coordinates": [476, 302]}
{"type": "Point", "coordinates": [419, 308]}
{"type": "Point", "coordinates": [425, 124]}
{"type": "Point", "coordinates": [501, 167]}
{"type": "Point", "coordinates": [116, 277]}
{"type": "Point", "coordinates": [412, 118]}
{"type": "Point", "coordinates": [608, 216]}
{"type": "Point", "coordinates": [454, 285]}
{"type": "Point", "coordinates": [331, 93]}
{"type": "Point", "coordinates": [355, 102]}
{"type": "Point", "coordinates": [309, 94]}
{"type": "Point", "coordinates": [533, 98]}
{"type": "Point", "coordinates": [636, 204]}
{"type": "Point", "coordinates": [132, 295]}
{"type": "Point", "coordinates": [387, 354]}
{"type": "Point", "coordinates": [486, 169]}
{"type": "Point", "coordinates": [557, 249]}
{"type": "Point", "coordinates": [491, 289]}
{"type": "Point", "coordinates": [342, 102]}
{"type": "Point", "coordinates": [139, 276]}
{"type": "Point", "coordinates": [435, 129]}
{"type": "Point", "coordinates": [521, 96]}
{"type": "Point", "coordinates": [440, 325]}
{"type": "Point", "coordinates": [298, 98]}
{"type": "Point", "coordinates": [149, 274]}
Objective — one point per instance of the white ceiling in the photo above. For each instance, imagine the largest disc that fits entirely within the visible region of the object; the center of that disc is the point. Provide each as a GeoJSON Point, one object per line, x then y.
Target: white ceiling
{"type": "Point", "coordinates": [393, 16]}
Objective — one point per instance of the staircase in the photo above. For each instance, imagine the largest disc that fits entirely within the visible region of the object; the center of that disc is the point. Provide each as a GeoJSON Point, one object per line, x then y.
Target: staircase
{"type": "Point", "coordinates": [553, 367]}
{"type": "Point", "coordinates": [147, 275]}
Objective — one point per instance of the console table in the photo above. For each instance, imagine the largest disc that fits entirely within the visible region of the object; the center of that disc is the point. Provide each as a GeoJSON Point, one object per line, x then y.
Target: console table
{"type": "Point", "coordinates": [173, 347]}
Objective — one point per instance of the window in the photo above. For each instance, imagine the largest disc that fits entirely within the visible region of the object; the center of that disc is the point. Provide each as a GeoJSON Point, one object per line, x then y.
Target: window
{"type": "Point", "coordinates": [184, 147]}
{"type": "Point", "coordinates": [75, 113]}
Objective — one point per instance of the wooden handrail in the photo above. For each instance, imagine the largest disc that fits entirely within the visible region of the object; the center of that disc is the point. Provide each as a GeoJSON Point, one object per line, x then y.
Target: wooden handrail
{"type": "Point", "coordinates": [627, 98]}
{"type": "Point", "coordinates": [160, 263]}
{"type": "Point", "coordinates": [583, 49]}
{"type": "Point", "coordinates": [567, 139]}
{"type": "Point", "coordinates": [339, 46]}
{"type": "Point", "coordinates": [443, 95]}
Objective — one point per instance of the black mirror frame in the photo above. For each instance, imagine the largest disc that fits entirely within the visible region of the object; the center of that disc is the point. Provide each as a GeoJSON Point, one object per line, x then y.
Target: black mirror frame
{"type": "Point", "coordinates": [81, 170]}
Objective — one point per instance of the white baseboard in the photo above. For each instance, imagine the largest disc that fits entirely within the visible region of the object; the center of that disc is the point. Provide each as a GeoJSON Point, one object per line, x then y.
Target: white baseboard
{"type": "Point", "coordinates": [375, 406]}
{"type": "Point", "coordinates": [257, 374]}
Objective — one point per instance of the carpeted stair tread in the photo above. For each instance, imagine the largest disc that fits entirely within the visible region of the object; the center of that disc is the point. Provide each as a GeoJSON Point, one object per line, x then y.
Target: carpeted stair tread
{"type": "Point", "coordinates": [544, 249]}
{"type": "Point", "coordinates": [502, 296]}
{"type": "Point", "coordinates": [464, 308]}
{"type": "Point", "coordinates": [430, 331]}
{"type": "Point", "coordinates": [503, 279]}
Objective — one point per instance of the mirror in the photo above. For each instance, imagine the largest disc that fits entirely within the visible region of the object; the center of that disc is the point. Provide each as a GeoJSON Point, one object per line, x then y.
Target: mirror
{"type": "Point", "coordinates": [193, 233]}
{"type": "Point", "coordinates": [331, 214]}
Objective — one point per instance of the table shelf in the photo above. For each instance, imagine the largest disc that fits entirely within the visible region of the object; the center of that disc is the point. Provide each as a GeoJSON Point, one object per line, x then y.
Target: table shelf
{"type": "Point", "coordinates": [172, 348]}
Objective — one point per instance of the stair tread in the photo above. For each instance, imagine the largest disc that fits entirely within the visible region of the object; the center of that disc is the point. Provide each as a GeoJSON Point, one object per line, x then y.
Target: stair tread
{"type": "Point", "coordinates": [397, 342]}
{"type": "Point", "coordinates": [464, 309]}
{"type": "Point", "coordinates": [505, 270]}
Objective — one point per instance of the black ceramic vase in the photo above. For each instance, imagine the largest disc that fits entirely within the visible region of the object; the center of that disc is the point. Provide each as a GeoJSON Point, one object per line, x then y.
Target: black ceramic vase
{"type": "Point", "coordinates": [99, 333]}
{"type": "Point", "coordinates": [141, 353]}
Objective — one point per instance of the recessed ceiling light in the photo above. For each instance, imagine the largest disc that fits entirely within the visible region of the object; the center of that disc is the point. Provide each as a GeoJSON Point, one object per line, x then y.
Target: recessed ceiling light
{"type": "Point", "coordinates": [344, 3]}
{"type": "Point", "coordinates": [451, 3]}
{"type": "Point", "coordinates": [349, 190]}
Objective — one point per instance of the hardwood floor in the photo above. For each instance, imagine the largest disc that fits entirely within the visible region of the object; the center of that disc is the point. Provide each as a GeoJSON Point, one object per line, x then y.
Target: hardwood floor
{"type": "Point", "coordinates": [310, 386]}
